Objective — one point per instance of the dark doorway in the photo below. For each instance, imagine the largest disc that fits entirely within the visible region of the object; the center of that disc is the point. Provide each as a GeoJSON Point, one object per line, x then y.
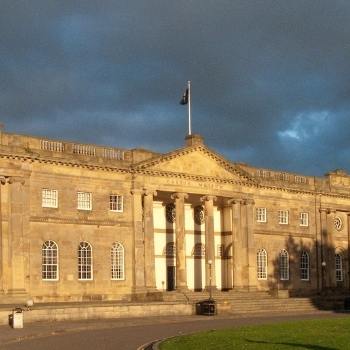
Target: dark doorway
{"type": "Point", "coordinates": [170, 278]}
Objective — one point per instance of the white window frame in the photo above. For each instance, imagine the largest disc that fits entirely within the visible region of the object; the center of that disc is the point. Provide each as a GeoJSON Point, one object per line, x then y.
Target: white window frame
{"type": "Point", "coordinates": [117, 262]}
{"type": "Point", "coordinates": [261, 264]}
{"type": "Point", "coordinates": [261, 215]}
{"type": "Point", "coordinates": [85, 262]}
{"type": "Point", "coordinates": [339, 268]}
{"type": "Point", "coordinates": [283, 217]}
{"type": "Point", "coordinates": [49, 198]}
{"type": "Point", "coordinates": [304, 266]}
{"type": "Point", "coordinates": [49, 261]}
{"type": "Point", "coordinates": [84, 200]}
{"type": "Point", "coordinates": [304, 219]}
{"type": "Point", "coordinates": [116, 203]}
{"type": "Point", "coordinates": [284, 265]}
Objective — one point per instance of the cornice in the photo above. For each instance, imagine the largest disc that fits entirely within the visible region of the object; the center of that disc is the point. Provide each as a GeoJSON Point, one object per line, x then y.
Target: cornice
{"type": "Point", "coordinates": [140, 169]}
{"type": "Point", "coordinates": [63, 162]}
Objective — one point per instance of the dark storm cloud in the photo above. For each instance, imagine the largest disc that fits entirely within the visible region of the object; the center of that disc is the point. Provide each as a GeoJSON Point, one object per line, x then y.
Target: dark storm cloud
{"type": "Point", "coordinates": [270, 79]}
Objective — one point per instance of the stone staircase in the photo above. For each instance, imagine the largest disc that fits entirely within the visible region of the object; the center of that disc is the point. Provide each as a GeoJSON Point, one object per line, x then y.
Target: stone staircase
{"type": "Point", "coordinates": [257, 302]}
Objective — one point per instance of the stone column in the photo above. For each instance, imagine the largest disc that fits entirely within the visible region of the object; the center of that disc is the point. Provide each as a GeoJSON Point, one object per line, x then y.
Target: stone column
{"type": "Point", "coordinates": [249, 236]}
{"type": "Point", "coordinates": [17, 259]}
{"type": "Point", "coordinates": [138, 242]}
{"type": "Point", "coordinates": [181, 274]}
{"type": "Point", "coordinates": [209, 241]}
{"type": "Point", "coordinates": [236, 243]}
{"type": "Point", "coordinates": [3, 246]}
{"type": "Point", "coordinates": [150, 278]}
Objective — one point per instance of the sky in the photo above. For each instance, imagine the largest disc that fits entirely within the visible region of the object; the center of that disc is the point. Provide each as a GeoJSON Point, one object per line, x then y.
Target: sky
{"type": "Point", "coordinates": [270, 79]}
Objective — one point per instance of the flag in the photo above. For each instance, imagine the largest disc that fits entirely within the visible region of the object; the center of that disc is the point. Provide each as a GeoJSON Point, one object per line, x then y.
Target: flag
{"type": "Point", "coordinates": [184, 99]}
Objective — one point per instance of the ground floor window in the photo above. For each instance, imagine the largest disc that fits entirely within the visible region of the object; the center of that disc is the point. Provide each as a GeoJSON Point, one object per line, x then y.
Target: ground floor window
{"type": "Point", "coordinates": [304, 266]}
{"type": "Point", "coordinates": [262, 264]}
{"type": "Point", "coordinates": [49, 256]}
{"type": "Point", "coordinates": [284, 265]}
{"type": "Point", "coordinates": [117, 261]}
{"type": "Point", "coordinates": [338, 268]}
{"type": "Point", "coordinates": [84, 261]}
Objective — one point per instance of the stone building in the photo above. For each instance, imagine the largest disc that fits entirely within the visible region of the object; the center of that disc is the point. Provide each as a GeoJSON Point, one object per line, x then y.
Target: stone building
{"type": "Point", "coordinates": [86, 222]}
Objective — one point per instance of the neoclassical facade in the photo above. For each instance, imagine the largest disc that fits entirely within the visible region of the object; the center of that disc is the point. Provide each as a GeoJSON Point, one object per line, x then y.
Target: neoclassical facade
{"type": "Point", "coordinates": [86, 222]}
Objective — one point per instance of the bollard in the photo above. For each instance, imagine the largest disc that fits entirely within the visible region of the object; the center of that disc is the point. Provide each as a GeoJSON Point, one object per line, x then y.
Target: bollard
{"type": "Point", "coordinates": [17, 318]}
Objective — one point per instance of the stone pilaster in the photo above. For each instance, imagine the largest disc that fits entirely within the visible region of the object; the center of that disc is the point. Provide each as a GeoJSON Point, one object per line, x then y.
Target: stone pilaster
{"type": "Point", "coordinates": [348, 257]}
{"type": "Point", "coordinates": [330, 268]}
{"type": "Point", "coordinates": [236, 243]}
{"type": "Point", "coordinates": [17, 259]}
{"type": "Point", "coordinates": [150, 278]}
{"type": "Point", "coordinates": [209, 242]}
{"type": "Point", "coordinates": [249, 236]}
{"type": "Point", "coordinates": [3, 246]}
{"type": "Point", "coordinates": [138, 243]}
{"type": "Point", "coordinates": [181, 274]}
{"type": "Point", "coordinates": [327, 248]}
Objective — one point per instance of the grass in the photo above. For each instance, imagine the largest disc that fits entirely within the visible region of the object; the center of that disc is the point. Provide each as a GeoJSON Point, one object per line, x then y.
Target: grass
{"type": "Point", "coordinates": [325, 334]}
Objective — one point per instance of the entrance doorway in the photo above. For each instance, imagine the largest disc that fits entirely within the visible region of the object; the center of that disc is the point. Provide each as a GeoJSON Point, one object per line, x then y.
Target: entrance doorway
{"type": "Point", "coordinates": [170, 278]}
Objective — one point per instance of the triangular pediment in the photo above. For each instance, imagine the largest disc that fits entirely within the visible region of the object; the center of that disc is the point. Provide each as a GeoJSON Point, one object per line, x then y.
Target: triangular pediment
{"type": "Point", "coordinates": [196, 161]}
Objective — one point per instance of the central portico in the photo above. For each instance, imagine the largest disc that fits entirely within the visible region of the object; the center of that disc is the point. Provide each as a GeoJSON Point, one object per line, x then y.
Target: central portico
{"type": "Point", "coordinates": [197, 225]}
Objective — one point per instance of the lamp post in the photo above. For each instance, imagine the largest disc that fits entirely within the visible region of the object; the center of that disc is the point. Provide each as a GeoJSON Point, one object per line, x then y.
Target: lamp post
{"type": "Point", "coordinates": [210, 291]}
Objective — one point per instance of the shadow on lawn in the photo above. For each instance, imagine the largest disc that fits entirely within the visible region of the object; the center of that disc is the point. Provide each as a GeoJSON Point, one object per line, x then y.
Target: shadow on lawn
{"type": "Point", "coordinates": [305, 346]}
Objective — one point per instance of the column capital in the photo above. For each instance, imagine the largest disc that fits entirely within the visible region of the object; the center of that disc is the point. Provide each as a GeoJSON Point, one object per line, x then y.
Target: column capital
{"type": "Point", "coordinates": [136, 191]}
{"type": "Point", "coordinates": [179, 195]}
{"type": "Point", "coordinates": [327, 210]}
{"type": "Point", "coordinates": [208, 198]}
{"type": "Point", "coordinates": [2, 180]}
{"type": "Point", "coordinates": [234, 201]}
{"type": "Point", "coordinates": [149, 192]}
{"type": "Point", "coordinates": [248, 201]}
{"type": "Point", "coordinates": [14, 179]}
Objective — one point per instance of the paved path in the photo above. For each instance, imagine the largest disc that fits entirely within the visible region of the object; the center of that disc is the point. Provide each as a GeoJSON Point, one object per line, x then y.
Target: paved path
{"type": "Point", "coordinates": [126, 334]}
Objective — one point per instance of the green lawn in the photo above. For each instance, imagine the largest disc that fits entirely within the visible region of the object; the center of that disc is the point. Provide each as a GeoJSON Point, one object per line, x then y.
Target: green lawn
{"type": "Point", "coordinates": [325, 334]}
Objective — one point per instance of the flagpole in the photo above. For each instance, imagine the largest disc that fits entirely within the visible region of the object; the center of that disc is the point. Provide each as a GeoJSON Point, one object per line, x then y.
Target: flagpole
{"type": "Point", "coordinates": [189, 107]}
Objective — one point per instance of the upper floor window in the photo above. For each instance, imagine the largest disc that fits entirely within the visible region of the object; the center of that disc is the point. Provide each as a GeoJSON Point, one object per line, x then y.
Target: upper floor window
{"type": "Point", "coordinates": [220, 250]}
{"type": "Point", "coordinates": [198, 250]}
{"type": "Point", "coordinates": [261, 263]}
{"type": "Point", "coordinates": [84, 200]}
{"type": "Point", "coordinates": [170, 249]}
{"type": "Point", "coordinates": [283, 217]}
{"type": "Point", "coordinates": [338, 267]}
{"type": "Point", "coordinates": [304, 266]}
{"type": "Point", "coordinates": [261, 214]}
{"type": "Point", "coordinates": [49, 198]}
{"type": "Point", "coordinates": [115, 202]}
{"type": "Point", "coordinates": [284, 265]}
{"type": "Point", "coordinates": [304, 219]}
{"type": "Point", "coordinates": [117, 261]}
{"type": "Point", "coordinates": [49, 261]}
{"type": "Point", "coordinates": [84, 261]}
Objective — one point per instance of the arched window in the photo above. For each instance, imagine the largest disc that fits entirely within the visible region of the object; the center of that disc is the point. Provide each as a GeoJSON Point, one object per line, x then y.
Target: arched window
{"type": "Point", "coordinates": [338, 267]}
{"type": "Point", "coordinates": [170, 249]}
{"type": "Point", "coordinates": [84, 261]}
{"type": "Point", "coordinates": [284, 265]}
{"type": "Point", "coordinates": [304, 266]}
{"type": "Point", "coordinates": [117, 261]}
{"type": "Point", "coordinates": [198, 250]}
{"type": "Point", "coordinates": [261, 262]}
{"type": "Point", "coordinates": [49, 264]}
